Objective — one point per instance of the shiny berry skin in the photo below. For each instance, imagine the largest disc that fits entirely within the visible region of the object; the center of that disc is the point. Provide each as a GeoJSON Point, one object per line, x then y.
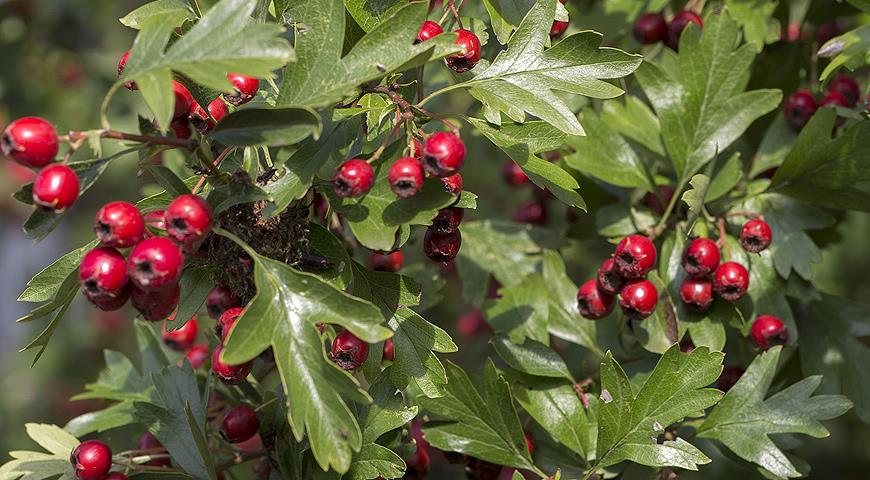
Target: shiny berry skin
{"type": "Point", "coordinates": [348, 351]}
{"type": "Point", "coordinates": [593, 302]}
{"type": "Point", "coordinates": [679, 23]}
{"type": "Point", "coordinates": [228, 319]}
{"type": "Point", "coordinates": [514, 175]}
{"type": "Point", "coordinates": [56, 187]}
{"type": "Point", "coordinates": [30, 141]}
{"type": "Point", "coordinates": [386, 262]}
{"type": "Point", "coordinates": [119, 225]}
{"type": "Point", "coordinates": [354, 178]}
{"type": "Point", "coordinates": [406, 177]}
{"type": "Point", "coordinates": [558, 28]}
{"type": "Point", "coordinates": [197, 355]}
{"type": "Point", "coordinates": [697, 293]}
{"type": "Point", "coordinates": [200, 119]}
{"type": "Point", "coordinates": [609, 279]}
{"type": "Point", "coordinates": [768, 331]}
{"type": "Point", "coordinates": [443, 154]}
{"type": "Point", "coordinates": [447, 220]}
{"type": "Point", "coordinates": [463, 62]}
{"type": "Point", "coordinates": [389, 349]}
{"type": "Point", "coordinates": [755, 236]}
{"type": "Point", "coordinates": [729, 377]}
{"type": "Point", "coordinates": [701, 257]}
{"type": "Point", "coordinates": [91, 460]}
{"type": "Point", "coordinates": [638, 299]}
{"type": "Point", "coordinates": [650, 28]}
{"type": "Point", "coordinates": [847, 87]}
{"type": "Point", "coordinates": [103, 273]}
{"type": "Point", "coordinates": [229, 374]}
{"type": "Point", "coordinates": [441, 247]}
{"type": "Point", "coordinates": [154, 264]}
{"type": "Point", "coordinates": [239, 424]}
{"type": "Point", "coordinates": [533, 213]}
{"type": "Point", "coordinates": [183, 100]}
{"type": "Point", "coordinates": [115, 476]}
{"type": "Point", "coordinates": [730, 281]}
{"type": "Point", "coordinates": [246, 87]}
{"type": "Point", "coordinates": [122, 64]}
{"type": "Point", "coordinates": [218, 109]}
{"type": "Point", "coordinates": [799, 107]}
{"type": "Point", "coordinates": [428, 30]}
{"type": "Point", "coordinates": [182, 338]}
{"type": "Point", "coordinates": [109, 303]}
{"type": "Point", "coordinates": [635, 256]}
{"type": "Point", "coordinates": [453, 183]}
{"type": "Point", "coordinates": [157, 305]}
{"type": "Point", "coordinates": [149, 442]}
{"type": "Point", "coordinates": [188, 220]}
{"type": "Point", "coordinates": [219, 300]}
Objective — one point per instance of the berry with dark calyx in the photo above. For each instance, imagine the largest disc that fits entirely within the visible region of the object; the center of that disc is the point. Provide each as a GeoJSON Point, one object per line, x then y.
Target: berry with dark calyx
{"type": "Point", "coordinates": [847, 87]}
{"type": "Point", "coordinates": [533, 213]}
{"type": "Point", "coordinates": [348, 351]}
{"type": "Point", "coordinates": [188, 220]}
{"type": "Point", "coordinates": [122, 64]}
{"type": "Point", "coordinates": [156, 220]}
{"type": "Point", "coordinates": [767, 331]}
{"type": "Point", "coordinates": [197, 355]}
{"type": "Point", "coordinates": [218, 109]}
{"type": "Point", "coordinates": [453, 183]}
{"type": "Point", "coordinates": [56, 187]}
{"type": "Point", "coordinates": [229, 374]}
{"type": "Point", "coordinates": [119, 225]}
{"type": "Point", "coordinates": [428, 30]}
{"type": "Point", "coordinates": [730, 281]}
{"type": "Point", "coordinates": [799, 107]}
{"type": "Point", "coordinates": [447, 220]}
{"type": "Point", "coordinates": [103, 273]}
{"type": "Point", "coordinates": [593, 302]}
{"type": "Point", "coordinates": [154, 264]}
{"type": "Point", "coordinates": [729, 377]}
{"type": "Point", "coordinates": [239, 424]}
{"type": "Point", "coordinates": [354, 178]}
{"type": "Point", "coordinates": [679, 23]}
{"type": "Point", "coordinates": [180, 128]}
{"type": "Point", "coordinates": [443, 154]}
{"type": "Point", "coordinates": [609, 279]}
{"type": "Point", "coordinates": [833, 100]}
{"type": "Point", "coordinates": [701, 257]}
{"type": "Point", "coordinates": [697, 293]}
{"type": "Point", "coordinates": [638, 299]}
{"type": "Point", "coordinates": [441, 247]}
{"type": "Point", "coordinates": [157, 305]}
{"type": "Point", "coordinates": [463, 62]}
{"type": "Point", "coordinates": [386, 262]}
{"type": "Point", "coordinates": [219, 300]}
{"type": "Point", "coordinates": [755, 236]}
{"type": "Point", "coordinates": [115, 476]}
{"type": "Point", "coordinates": [149, 442]}
{"type": "Point", "coordinates": [650, 28]}
{"type": "Point", "coordinates": [406, 177]}
{"type": "Point", "coordinates": [183, 100]}
{"type": "Point", "coordinates": [91, 460]}
{"type": "Point", "coordinates": [225, 324]}
{"type": "Point", "coordinates": [514, 175]}
{"type": "Point", "coordinates": [183, 337]}
{"type": "Point", "coordinates": [635, 256]}
{"type": "Point", "coordinates": [200, 119]}
{"type": "Point", "coordinates": [30, 141]}
{"type": "Point", "coordinates": [389, 349]}
{"type": "Point", "coordinates": [558, 28]}
{"type": "Point", "coordinates": [245, 89]}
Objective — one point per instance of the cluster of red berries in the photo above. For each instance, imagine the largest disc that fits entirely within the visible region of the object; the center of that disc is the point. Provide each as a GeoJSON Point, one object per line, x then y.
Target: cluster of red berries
{"type": "Point", "coordinates": [653, 28]}
{"type": "Point", "coordinates": [228, 373]}
{"type": "Point", "coordinates": [349, 351]}
{"type": "Point", "coordinates": [800, 106]}
{"type": "Point", "coordinates": [459, 62]}
{"type": "Point", "coordinates": [622, 274]}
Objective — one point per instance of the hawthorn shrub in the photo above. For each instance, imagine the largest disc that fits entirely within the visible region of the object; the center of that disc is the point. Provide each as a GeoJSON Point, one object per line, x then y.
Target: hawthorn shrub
{"type": "Point", "coordinates": [321, 214]}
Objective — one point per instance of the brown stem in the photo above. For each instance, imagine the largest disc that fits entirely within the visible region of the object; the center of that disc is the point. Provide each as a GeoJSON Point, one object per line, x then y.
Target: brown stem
{"type": "Point", "coordinates": [187, 143]}
{"type": "Point", "coordinates": [377, 153]}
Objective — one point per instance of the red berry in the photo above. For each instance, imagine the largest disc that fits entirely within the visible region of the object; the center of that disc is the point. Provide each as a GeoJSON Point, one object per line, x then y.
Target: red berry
{"type": "Point", "coordinates": [679, 23]}
{"type": "Point", "coordinates": [416, 149]}
{"type": "Point", "coordinates": [348, 351]}
{"type": "Point", "coordinates": [730, 281]}
{"type": "Point", "coordinates": [447, 220]}
{"type": "Point", "coordinates": [428, 30]}
{"type": "Point", "coordinates": [755, 236]}
{"type": "Point", "coordinates": [593, 302]}
{"type": "Point", "coordinates": [406, 177]}
{"type": "Point", "coordinates": [245, 89]}
{"type": "Point", "coordinates": [119, 225]}
{"type": "Point", "coordinates": [418, 463]}
{"type": "Point", "coordinates": [91, 460]}
{"type": "Point", "coordinates": [111, 303]}
{"type": "Point", "coordinates": [30, 141]}
{"type": "Point", "coordinates": [650, 28]}
{"type": "Point", "coordinates": [638, 299]}
{"type": "Point", "coordinates": [122, 64]}
{"type": "Point", "coordinates": [443, 154]}
{"type": "Point", "coordinates": [183, 100]}
{"type": "Point", "coordinates": [471, 323]}
{"type": "Point", "coordinates": [149, 442]}
{"type": "Point", "coordinates": [558, 28]}
{"type": "Point", "coordinates": [180, 128]}
{"type": "Point", "coordinates": [799, 107]}
{"type": "Point", "coordinates": [197, 355]}
{"type": "Point", "coordinates": [157, 305]}
{"type": "Point", "coordinates": [609, 279]}
{"type": "Point", "coordinates": [697, 293]}
{"type": "Point", "coordinates": [534, 213]}
{"type": "Point", "coordinates": [154, 264]}
{"type": "Point", "coordinates": [156, 220]}
{"type": "Point", "coordinates": [219, 300]}
{"type": "Point", "coordinates": [200, 119]}
{"type": "Point", "coordinates": [729, 377]}
{"type": "Point", "coordinates": [767, 331]}
{"type": "Point", "coordinates": [56, 187]}
{"type": "Point", "coordinates": [833, 100]}
{"type": "Point", "coordinates": [227, 321]}
{"type": "Point", "coordinates": [229, 374]}
{"type": "Point", "coordinates": [441, 247]}
{"type": "Point", "coordinates": [701, 257]}
{"type": "Point", "coordinates": [514, 175]}
{"type": "Point", "coordinates": [353, 178]}
{"type": "Point", "coordinates": [188, 220]}
{"type": "Point", "coordinates": [463, 62]}
{"type": "Point", "coordinates": [103, 273]}
{"type": "Point", "coordinates": [847, 87]}
{"type": "Point", "coordinates": [386, 262]}
{"type": "Point", "coordinates": [530, 444]}
{"type": "Point", "coordinates": [182, 338]}
{"type": "Point", "coordinates": [239, 424]}
{"type": "Point", "coordinates": [218, 109]}
{"type": "Point", "coordinates": [115, 476]}
{"type": "Point", "coordinates": [453, 183]}
{"type": "Point", "coordinates": [635, 256]}
{"type": "Point", "coordinates": [388, 349]}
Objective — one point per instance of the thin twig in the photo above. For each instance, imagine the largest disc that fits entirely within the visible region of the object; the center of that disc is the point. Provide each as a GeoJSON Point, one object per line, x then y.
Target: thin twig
{"type": "Point", "coordinates": [187, 143]}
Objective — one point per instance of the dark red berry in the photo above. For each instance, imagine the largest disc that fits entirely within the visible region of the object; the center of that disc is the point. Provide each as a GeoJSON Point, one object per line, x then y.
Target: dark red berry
{"type": "Point", "coordinates": [218, 109]}
{"type": "Point", "coordinates": [847, 87]}
{"type": "Point", "coordinates": [638, 299]}
{"type": "Point", "coordinates": [729, 377]}
{"type": "Point", "coordinates": [418, 463]}
{"type": "Point", "coordinates": [183, 100]}
{"type": "Point", "coordinates": [827, 31]}
{"type": "Point", "coordinates": [514, 175]}
{"type": "Point", "coordinates": [453, 183]}
{"type": "Point", "coordinates": [443, 154]}
{"type": "Point", "coordinates": [182, 338]}
{"type": "Point", "coordinates": [30, 141]}
{"type": "Point", "coordinates": [197, 355]}
{"type": "Point", "coordinates": [679, 23]}
{"type": "Point", "coordinates": [534, 213]}
{"type": "Point", "coordinates": [154, 264]}
{"type": "Point", "coordinates": [593, 302]}
{"type": "Point", "coordinates": [200, 119]}
{"type": "Point", "coordinates": [406, 177]}
{"type": "Point", "coordinates": [239, 424]}
{"type": "Point", "coordinates": [245, 89]}
{"type": "Point", "coordinates": [353, 178]}
{"type": "Point", "coordinates": [755, 236]}
{"type": "Point", "coordinates": [686, 345]}
{"type": "Point", "coordinates": [833, 100]}
{"type": "Point", "coordinates": [219, 300]}
{"type": "Point", "coordinates": [428, 30]}
{"type": "Point", "coordinates": [767, 331]}
{"type": "Point", "coordinates": [463, 62]}
{"type": "Point", "coordinates": [119, 225]}
{"type": "Point", "coordinates": [157, 305]}
{"type": "Point", "coordinates": [386, 262]}
{"type": "Point", "coordinates": [56, 187]}
{"type": "Point", "coordinates": [447, 220]}
{"type": "Point", "coordinates": [650, 28]}
{"type": "Point", "coordinates": [701, 257]}
{"type": "Point", "coordinates": [91, 460]}
{"type": "Point", "coordinates": [388, 349]}
{"type": "Point", "coordinates": [228, 319]}
{"type": "Point", "coordinates": [635, 256]}
{"type": "Point", "coordinates": [609, 279]}
{"type": "Point", "coordinates": [103, 273]}
{"type": "Point", "coordinates": [697, 293]}
{"type": "Point", "coordinates": [149, 442]}
{"type": "Point", "coordinates": [799, 107]}
{"type": "Point", "coordinates": [730, 281]}
{"type": "Point", "coordinates": [472, 323]}
{"type": "Point", "coordinates": [229, 374]}
{"type": "Point", "coordinates": [348, 351]}
{"type": "Point", "coordinates": [188, 220]}
{"type": "Point", "coordinates": [558, 28]}
{"type": "Point", "coordinates": [441, 247]}
{"type": "Point", "coordinates": [111, 303]}
{"type": "Point", "coordinates": [156, 220]}
{"type": "Point", "coordinates": [122, 64]}
{"type": "Point", "coordinates": [180, 128]}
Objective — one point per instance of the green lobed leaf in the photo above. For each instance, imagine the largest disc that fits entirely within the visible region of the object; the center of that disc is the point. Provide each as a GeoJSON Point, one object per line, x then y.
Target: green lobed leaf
{"type": "Point", "coordinates": [264, 126]}
{"type": "Point", "coordinates": [415, 342]}
{"type": "Point", "coordinates": [178, 10]}
{"type": "Point", "coordinates": [387, 411]}
{"type": "Point", "coordinates": [755, 18]}
{"type": "Point", "coordinates": [195, 284]}
{"type": "Point", "coordinates": [848, 50]}
{"type": "Point", "coordinates": [564, 319]}
{"type": "Point", "coordinates": [29, 465]}
{"type": "Point", "coordinates": [522, 310]}
{"type": "Point", "coordinates": [634, 120]}
{"type": "Point", "coordinates": [47, 284]}
{"type": "Point", "coordinates": [370, 13]}
{"type": "Point", "coordinates": [531, 357]}
{"type": "Point", "coordinates": [375, 461]}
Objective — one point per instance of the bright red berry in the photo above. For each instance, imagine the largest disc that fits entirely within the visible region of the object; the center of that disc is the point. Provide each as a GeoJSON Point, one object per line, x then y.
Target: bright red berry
{"type": "Point", "coordinates": [200, 119]}
{"type": "Point", "coordinates": [119, 225]}
{"type": "Point", "coordinates": [188, 220]}
{"type": "Point", "coordinates": [155, 263]}
{"type": "Point", "coordinates": [638, 299]}
{"type": "Point", "coordinates": [635, 256]}
{"type": "Point", "coordinates": [767, 331]}
{"type": "Point", "coordinates": [103, 273]}
{"type": "Point", "coordinates": [386, 262]}
{"type": "Point", "coordinates": [406, 177]}
{"type": "Point", "coordinates": [245, 89]}
{"type": "Point", "coordinates": [229, 374]}
{"type": "Point", "coordinates": [447, 220]}
{"type": "Point", "coordinates": [122, 64]}
{"type": "Point", "coordinates": [799, 107]}
{"type": "Point", "coordinates": [650, 28]}
{"type": "Point", "coordinates": [228, 319]}
{"type": "Point", "coordinates": [729, 377]}
{"type": "Point", "coordinates": [428, 30]}
{"type": "Point", "coordinates": [453, 183]}
{"type": "Point", "coordinates": [91, 460]}
{"type": "Point", "coordinates": [239, 424]}
{"type": "Point", "coordinates": [30, 141]}
{"type": "Point", "coordinates": [730, 281]}
{"type": "Point", "coordinates": [463, 62]}
{"type": "Point", "coordinates": [218, 109]}
{"type": "Point", "coordinates": [197, 355]}
{"type": "Point", "coordinates": [219, 300]}
{"type": "Point", "coordinates": [593, 302]}
{"type": "Point", "coordinates": [701, 257]}
{"type": "Point", "coordinates": [183, 337]}
{"type": "Point", "coordinates": [441, 247]}
{"type": "Point", "coordinates": [183, 100]}
{"type": "Point", "coordinates": [354, 178]}
{"type": "Point", "coordinates": [471, 323]}
{"type": "Point", "coordinates": [534, 213]}
{"type": "Point", "coordinates": [609, 279]}
{"type": "Point", "coordinates": [443, 154]}
{"type": "Point", "coordinates": [847, 87]}
{"type": "Point", "coordinates": [755, 236]}
{"type": "Point", "coordinates": [389, 349]}
{"type": "Point", "coordinates": [697, 293]}
{"type": "Point", "coordinates": [56, 187]}
{"type": "Point", "coordinates": [348, 351]}
{"type": "Point", "coordinates": [679, 23]}
{"type": "Point", "coordinates": [157, 305]}
{"type": "Point", "coordinates": [149, 442]}
{"type": "Point", "coordinates": [558, 28]}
